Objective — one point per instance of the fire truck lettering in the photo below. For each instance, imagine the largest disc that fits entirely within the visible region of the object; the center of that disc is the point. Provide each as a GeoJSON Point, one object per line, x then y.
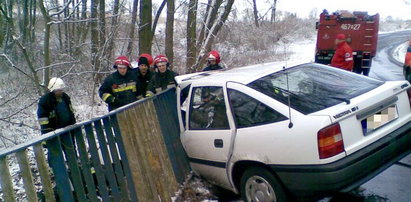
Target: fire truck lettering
{"type": "Point", "coordinates": [350, 26]}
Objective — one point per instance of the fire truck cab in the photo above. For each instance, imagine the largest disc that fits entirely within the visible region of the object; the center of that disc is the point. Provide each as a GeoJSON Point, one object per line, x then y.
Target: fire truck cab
{"type": "Point", "coordinates": [360, 29]}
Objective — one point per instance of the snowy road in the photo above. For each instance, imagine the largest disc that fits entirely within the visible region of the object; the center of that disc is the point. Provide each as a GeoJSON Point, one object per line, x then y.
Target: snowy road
{"type": "Point", "coordinates": [384, 66]}
{"type": "Point", "coordinates": [394, 184]}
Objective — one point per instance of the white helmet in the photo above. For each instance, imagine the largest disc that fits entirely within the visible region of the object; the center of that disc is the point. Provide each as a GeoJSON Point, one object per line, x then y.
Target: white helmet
{"type": "Point", "coordinates": [56, 84]}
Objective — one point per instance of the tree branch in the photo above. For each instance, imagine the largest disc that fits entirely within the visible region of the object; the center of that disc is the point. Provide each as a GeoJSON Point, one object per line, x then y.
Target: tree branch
{"type": "Point", "coordinates": [64, 8]}
{"type": "Point", "coordinates": [57, 64]}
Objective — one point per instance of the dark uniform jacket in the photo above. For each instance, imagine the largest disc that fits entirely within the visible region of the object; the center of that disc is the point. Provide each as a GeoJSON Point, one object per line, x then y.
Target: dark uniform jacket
{"type": "Point", "coordinates": [212, 67]}
{"type": "Point", "coordinates": [47, 112]}
{"type": "Point", "coordinates": [142, 81]}
{"type": "Point", "coordinates": [161, 81]}
{"type": "Point", "coordinates": [119, 90]}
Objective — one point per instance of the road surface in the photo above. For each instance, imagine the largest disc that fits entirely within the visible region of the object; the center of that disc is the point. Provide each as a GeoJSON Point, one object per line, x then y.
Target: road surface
{"type": "Point", "coordinates": [394, 184]}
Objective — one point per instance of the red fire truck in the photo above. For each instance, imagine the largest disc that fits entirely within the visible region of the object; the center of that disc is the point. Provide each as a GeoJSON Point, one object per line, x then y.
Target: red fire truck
{"type": "Point", "coordinates": [360, 29]}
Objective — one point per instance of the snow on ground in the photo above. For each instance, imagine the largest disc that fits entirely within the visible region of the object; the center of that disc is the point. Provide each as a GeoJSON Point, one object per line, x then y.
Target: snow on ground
{"type": "Point", "coordinates": [399, 52]}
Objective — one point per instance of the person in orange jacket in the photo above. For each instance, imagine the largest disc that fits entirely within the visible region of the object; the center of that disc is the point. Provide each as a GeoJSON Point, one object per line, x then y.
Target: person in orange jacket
{"type": "Point", "coordinates": [407, 63]}
{"type": "Point", "coordinates": [343, 57]}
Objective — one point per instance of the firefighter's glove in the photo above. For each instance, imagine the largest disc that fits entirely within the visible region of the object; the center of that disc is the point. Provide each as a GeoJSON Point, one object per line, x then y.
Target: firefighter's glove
{"type": "Point", "coordinates": [111, 100]}
{"type": "Point", "coordinates": [108, 98]}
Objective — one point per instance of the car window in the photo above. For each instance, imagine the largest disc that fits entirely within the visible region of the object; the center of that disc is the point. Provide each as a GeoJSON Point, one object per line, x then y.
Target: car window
{"type": "Point", "coordinates": [207, 109]}
{"type": "Point", "coordinates": [313, 87]}
{"type": "Point", "coordinates": [251, 112]}
{"type": "Point", "coordinates": [183, 103]}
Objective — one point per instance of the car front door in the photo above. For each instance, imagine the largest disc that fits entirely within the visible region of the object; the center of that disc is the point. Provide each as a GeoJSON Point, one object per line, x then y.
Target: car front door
{"type": "Point", "coordinates": [209, 132]}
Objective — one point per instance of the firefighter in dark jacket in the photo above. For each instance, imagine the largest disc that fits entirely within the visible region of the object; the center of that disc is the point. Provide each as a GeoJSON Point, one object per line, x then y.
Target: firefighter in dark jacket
{"type": "Point", "coordinates": [163, 78]}
{"type": "Point", "coordinates": [54, 108]}
{"type": "Point", "coordinates": [213, 61]}
{"type": "Point", "coordinates": [143, 74]}
{"type": "Point", "coordinates": [119, 88]}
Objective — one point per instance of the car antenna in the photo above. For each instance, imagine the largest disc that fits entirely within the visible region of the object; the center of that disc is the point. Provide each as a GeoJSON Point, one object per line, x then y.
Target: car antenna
{"type": "Point", "coordinates": [290, 125]}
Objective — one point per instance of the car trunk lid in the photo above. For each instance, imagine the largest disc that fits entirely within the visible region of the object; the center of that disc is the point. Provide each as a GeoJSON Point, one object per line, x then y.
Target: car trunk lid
{"type": "Point", "coordinates": [370, 116]}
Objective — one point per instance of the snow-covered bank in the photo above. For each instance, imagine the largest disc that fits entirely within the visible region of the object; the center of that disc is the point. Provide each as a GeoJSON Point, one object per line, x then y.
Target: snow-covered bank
{"type": "Point", "coordinates": [399, 52]}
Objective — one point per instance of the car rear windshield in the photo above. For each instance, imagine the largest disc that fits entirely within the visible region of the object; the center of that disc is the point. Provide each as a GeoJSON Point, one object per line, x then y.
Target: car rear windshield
{"type": "Point", "coordinates": [313, 87]}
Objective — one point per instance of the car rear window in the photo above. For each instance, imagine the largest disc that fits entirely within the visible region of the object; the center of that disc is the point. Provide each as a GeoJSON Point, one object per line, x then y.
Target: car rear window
{"type": "Point", "coordinates": [313, 87]}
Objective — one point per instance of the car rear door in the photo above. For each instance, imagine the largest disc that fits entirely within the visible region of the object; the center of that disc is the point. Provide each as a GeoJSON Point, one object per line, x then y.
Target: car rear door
{"type": "Point", "coordinates": [209, 132]}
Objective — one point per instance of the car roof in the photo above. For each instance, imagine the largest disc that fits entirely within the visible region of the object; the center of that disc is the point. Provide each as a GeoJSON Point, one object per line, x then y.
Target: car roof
{"type": "Point", "coordinates": [242, 75]}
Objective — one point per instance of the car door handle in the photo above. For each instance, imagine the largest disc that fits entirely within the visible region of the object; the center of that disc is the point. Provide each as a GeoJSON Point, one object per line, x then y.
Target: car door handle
{"type": "Point", "coordinates": [218, 143]}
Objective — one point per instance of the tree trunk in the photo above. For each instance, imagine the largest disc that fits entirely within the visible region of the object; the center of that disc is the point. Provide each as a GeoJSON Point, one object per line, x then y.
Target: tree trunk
{"type": "Point", "coordinates": [94, 35]}
{"type": "Point", "coordinates": [132, 28]}
{"type": "Point", "coordinates": [273, 8]}
{"type": "Point", "coordinates": [84, 17]}
{"type": "Point", "coordinates": [206, 47]}
{"type": "Point", "coordinates": [60, 36]}
{"type": "Point", "coordinates": [113, 30]}
{"type": "Point", "coordinates": [46, 46]}
{"type": "Point", "coordinates": [160, 9]}
{"type": "Point", "coordinates": [211, 16]}
{"type": "Point", "coordinates": [102, 23]}
{"type": "Point", "coordinates": [33, 16]}
{"type": "Point", "coordinates": [8, 14]}
{"type": "Point", "coordinates": [169, 45]}
{"type": "Point", "coordinates": [145, 35]}
{"type": "Point", "coordinates": [191, 35]}
{"type": "Point", "coordinates": [25, 22]}
{"type": "Point", "coordinates": [3, 25]}
{"type": "Point", "coordinates": [255, 13]}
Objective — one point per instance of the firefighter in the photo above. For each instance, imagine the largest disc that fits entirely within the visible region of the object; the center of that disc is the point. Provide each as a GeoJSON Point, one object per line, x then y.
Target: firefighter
{"type": "Point", "coordinates": [144, 74]}
{"type": "Point", "coordinates": [119, 88]}
{"type": "Point", "coordinates": [343, 57]}
{"type": "Point", "coordinates": [163, 78]}
{"type": "Point", "coordinates": [54, 109]}
{"type": "Point", "coordinates": [213, 61]}
{"type": "Point", "coordinates": [407, 63]}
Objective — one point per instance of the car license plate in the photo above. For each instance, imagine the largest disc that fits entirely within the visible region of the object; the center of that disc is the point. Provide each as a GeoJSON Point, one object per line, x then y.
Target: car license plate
{"type": "Point", "coordinates": [379, 119]}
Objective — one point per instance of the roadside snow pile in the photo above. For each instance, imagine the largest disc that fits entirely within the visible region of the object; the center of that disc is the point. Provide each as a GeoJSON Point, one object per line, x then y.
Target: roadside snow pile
{"type": "Point", "coordinates": [399, 52]}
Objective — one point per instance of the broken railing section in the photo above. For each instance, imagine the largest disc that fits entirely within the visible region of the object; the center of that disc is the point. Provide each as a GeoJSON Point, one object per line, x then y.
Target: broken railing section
{"type": "Point", "coordinates": [131, 154]}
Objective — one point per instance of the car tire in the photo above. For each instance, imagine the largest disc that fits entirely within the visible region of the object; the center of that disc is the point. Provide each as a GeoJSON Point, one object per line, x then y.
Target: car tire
{"type": "Point", "coordinates": [258, 184]}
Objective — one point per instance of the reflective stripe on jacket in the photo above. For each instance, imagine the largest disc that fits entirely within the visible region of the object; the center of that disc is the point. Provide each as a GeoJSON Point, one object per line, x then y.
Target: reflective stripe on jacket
{"type": "Point", "coordinates": [46, 112]}
{"type": "Point", "coordinates": [122, 88]}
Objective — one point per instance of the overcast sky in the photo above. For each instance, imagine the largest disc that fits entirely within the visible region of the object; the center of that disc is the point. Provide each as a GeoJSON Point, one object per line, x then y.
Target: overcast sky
{"type": "Point", "coordinates": [395, 8]}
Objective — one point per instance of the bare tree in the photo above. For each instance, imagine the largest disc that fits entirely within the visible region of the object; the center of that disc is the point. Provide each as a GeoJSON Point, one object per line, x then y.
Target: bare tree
{"type": "Point", "coordinates": [102, 22]}
{"type": "Point", "coordinates": [273, 10]}
{"type": "Point", "coordinates": [191, 34]}
{"type": "Point", "coordinates": [169, 46]}
{"type": "Point", "coordinates": [145, 30]}
{"type": "Point", "coordinates": [207, 42]}
{"type": "Point", "coordinates": [46, 46]}
{"type": "Point", "coordinates": [114, 27]}
{"type": "Point", "coordinates": [210, 17]}
{"type": "Point", "coordinates": [132, 27]}
{"type": "Point", "coordinates": [255, 11]}
{"type": "Point", "coordinates": [158, 13]}
{"type": "Point", "coordinates": [94, 35]}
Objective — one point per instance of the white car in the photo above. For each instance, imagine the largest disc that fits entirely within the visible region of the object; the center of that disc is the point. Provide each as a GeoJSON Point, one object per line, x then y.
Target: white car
{"type": "Point", "coordinates": [274, 133]}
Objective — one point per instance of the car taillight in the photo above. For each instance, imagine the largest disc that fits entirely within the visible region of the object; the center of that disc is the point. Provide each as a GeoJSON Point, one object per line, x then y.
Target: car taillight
{"type": "Point", "coordinates": [330, 141]}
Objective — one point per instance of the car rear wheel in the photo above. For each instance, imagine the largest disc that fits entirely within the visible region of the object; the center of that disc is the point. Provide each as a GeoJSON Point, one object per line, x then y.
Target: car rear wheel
{"type": "Point", "coordinates": [258, 184]}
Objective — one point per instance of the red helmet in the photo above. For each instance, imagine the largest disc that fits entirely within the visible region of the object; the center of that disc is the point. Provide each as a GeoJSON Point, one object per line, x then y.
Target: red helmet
{"type": "Point", "coordinates": [122, 60]}
{"type": "Point", "coordinates": [149, 58]}
{"type": "Point", "coordinates": [160, 58]}
{"type": "Point", "coordinates": [340, 36]}
{"type": "Point", "coordinates": [214, 55]}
